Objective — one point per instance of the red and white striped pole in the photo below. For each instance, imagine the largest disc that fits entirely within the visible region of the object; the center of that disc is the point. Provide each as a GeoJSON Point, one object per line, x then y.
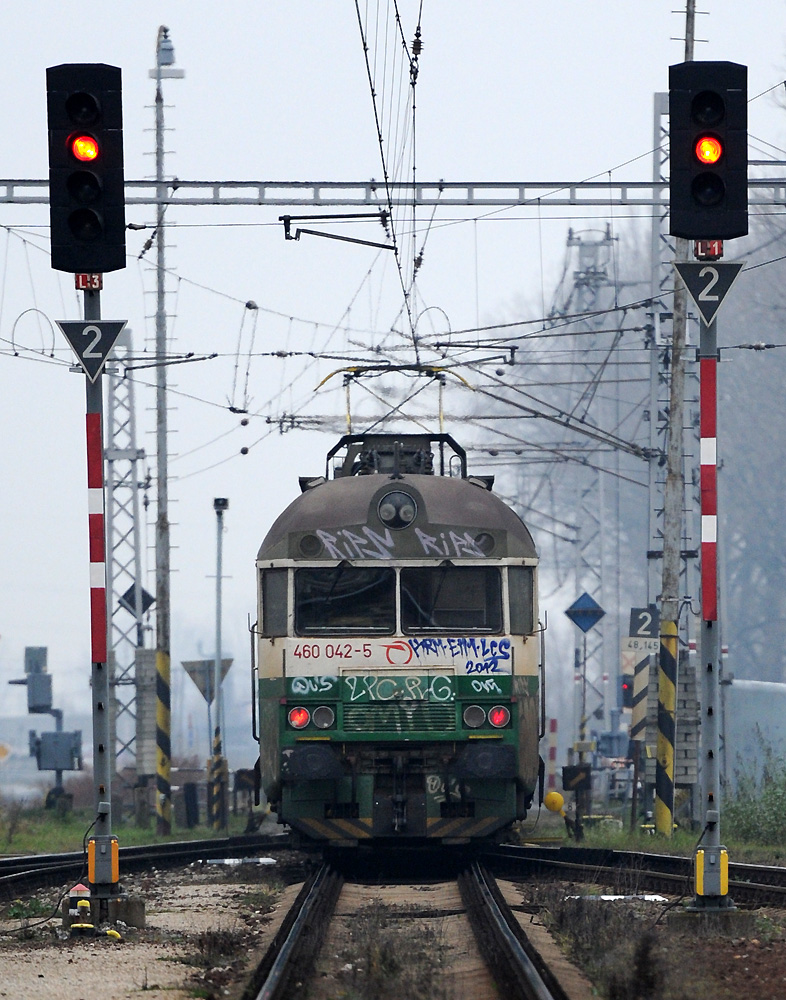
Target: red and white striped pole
{"type": "Point", "coordinates": [711, 862]}
{"type": "Point", "coordinates": [708, 452]}
{"type": "Point", "coordinates": [97, 535]}
{"type": "Point", "coordinates": [103, 849]}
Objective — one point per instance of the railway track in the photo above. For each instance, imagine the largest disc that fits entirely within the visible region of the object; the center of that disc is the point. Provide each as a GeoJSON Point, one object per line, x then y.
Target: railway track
{"type": "Point", "coordinates": [42, 870]}
{"type": "Point", "coordinates": [516, 967]}
{"type": "Point", "coordinates": [632, 871]}
{"type": "Point", "coordinates": [297, 943]}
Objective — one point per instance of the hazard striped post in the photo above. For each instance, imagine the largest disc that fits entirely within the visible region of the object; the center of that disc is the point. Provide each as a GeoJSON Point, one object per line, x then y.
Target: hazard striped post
{"type": "Point", "coordinates": [163, 743]}
{"type": "Point", "coordinates": [640, 646]}
{"type": "Point", "coordinates": [641, 678]}
{"type": "Point", "coordinates": [667, 705]}
{"type": "Point", "coordinates": [638, 726]}
{"type": "Point", "coordinates": [217, 786]}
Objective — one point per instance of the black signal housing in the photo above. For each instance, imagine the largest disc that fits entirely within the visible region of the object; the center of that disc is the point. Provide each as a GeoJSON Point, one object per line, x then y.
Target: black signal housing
{"type": "Point", "coordinates": [86, 191]}
{"type": "Point", "coordinates": [708, 196]}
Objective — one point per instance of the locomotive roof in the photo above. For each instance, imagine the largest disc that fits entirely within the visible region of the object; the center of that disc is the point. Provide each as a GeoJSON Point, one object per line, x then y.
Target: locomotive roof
{"type": "Point", "coordinates": [446, 506]}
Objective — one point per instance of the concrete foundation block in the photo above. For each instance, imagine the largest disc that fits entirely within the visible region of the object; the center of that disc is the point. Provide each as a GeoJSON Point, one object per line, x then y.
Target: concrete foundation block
{"type": "Point", "coordinates": [713, 923]}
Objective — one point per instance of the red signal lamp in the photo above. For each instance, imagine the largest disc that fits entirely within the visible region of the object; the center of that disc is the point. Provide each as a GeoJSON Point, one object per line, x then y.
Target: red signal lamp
{"type": "Point", "coordinates": [499, 716]}
{"type": "Point", "coordinates": [708, 149]}
{"type": "Point", "coordinates": [299, 717]}
{"type": "Point", "coordinates": [84, 148]}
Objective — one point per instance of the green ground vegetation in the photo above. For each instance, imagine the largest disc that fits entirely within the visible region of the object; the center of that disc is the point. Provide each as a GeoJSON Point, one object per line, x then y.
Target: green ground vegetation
{"type": "Point", "coordinates": [35, 830]}
{"type": "Point", "coordinates": [752, 826]}
{"type": "Point", "coordinates": [754, 813]}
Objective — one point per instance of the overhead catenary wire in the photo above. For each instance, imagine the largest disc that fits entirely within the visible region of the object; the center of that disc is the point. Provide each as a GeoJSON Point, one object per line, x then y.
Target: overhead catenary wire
{"type": "Point", "coordinates": [391, 72]}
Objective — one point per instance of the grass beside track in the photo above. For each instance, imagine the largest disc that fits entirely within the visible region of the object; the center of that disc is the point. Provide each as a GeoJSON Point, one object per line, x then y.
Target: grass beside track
{"type": "Point", "coordinates": [683, 841]}
{"type": "Point", "coordinates": [41, 831]}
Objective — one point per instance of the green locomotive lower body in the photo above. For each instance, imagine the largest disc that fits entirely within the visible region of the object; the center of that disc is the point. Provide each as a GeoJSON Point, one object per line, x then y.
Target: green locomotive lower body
{"type": "Point", "coordinates": [403, 758]}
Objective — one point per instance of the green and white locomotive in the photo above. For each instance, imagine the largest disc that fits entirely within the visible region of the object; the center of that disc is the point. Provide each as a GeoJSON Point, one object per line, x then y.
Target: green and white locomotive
{"type": "Point", "coordinates": [398, 650]}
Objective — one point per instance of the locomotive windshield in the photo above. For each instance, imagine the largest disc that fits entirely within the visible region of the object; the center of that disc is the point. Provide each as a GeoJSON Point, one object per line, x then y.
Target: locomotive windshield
{"type": "Point", "coordinates": [468, 598]}
{"type": "Point", "coordinates": [345, 599]}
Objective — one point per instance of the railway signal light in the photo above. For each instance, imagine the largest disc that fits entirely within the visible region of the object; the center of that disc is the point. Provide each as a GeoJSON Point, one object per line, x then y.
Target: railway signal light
{"type": "Point", "coordinates": [708, 159]}
{"type": "Point", "coordinates": [86, 184]}
{"type": "Point", "coordinates": [299, 717]}
{"type": "Point", "coordinates": [499, 716]}
{"type": "Point", "coordinates": [626, 690]}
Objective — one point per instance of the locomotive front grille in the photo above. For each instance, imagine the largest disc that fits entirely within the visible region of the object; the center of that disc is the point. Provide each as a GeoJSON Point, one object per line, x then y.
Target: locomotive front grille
{"type": "Point", "coordinates": [398, 717]}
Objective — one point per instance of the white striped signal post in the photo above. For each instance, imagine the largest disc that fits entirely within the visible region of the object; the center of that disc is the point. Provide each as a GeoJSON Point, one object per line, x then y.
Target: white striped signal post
{"type": "Point", "coordinates": [96, 537]}
{"type": "Point", "coordinates": [92, 340]}
{"type": "Point", "coordinates": [708, 458]}
{"type": "Point", "coordinates": [707, 285]}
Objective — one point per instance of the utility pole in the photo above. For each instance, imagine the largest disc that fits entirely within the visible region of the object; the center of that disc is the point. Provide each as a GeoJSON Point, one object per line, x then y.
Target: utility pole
{"type": "Point", "coordinates": [672, 536]}
{"type": "Point", "coordinates": [165, 57]}
{"type": "Point", "coordinates": [218, 783]}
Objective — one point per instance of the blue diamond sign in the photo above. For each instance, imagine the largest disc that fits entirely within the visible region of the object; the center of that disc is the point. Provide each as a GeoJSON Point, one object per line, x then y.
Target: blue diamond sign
{"type": "Point", "coordinates": [585, 612]}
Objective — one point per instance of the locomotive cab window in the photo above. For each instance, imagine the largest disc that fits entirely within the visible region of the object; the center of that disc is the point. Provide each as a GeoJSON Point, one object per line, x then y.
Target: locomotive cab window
{"type": "Point", "coordinates": [520, 589]}
{"type": "Point", "coordinates": [445, 598]}
{"type": "Point", "coordinates": [274, 602]}
{"type": "Point", "coordinates": [345, 600]}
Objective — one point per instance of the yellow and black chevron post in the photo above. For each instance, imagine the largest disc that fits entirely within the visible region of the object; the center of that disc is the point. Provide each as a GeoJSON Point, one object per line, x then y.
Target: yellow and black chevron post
{"type": "Point", "coordinates": [163, 746]}
{"type": "Point", "coordinates": [667, 703]}
{"type": "Point", "coordinates": [217, 791]}
{"type": "Point", "coordinates": [641, 678]}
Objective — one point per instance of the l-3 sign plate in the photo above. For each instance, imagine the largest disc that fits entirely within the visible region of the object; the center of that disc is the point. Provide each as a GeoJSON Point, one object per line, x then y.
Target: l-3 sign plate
{"type": "Point", "coordinates": [92, 340]}
{"type": "Point", "coordinates": [708, 284]}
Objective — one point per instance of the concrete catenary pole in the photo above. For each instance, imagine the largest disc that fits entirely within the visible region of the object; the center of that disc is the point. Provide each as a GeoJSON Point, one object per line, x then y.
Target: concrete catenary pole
{"type": "Point", "coordinates": [219, 770]}
{"type": "Point", "coordinates": [673, 502]}
{"type": "Point", "coordinates": [165, 57]}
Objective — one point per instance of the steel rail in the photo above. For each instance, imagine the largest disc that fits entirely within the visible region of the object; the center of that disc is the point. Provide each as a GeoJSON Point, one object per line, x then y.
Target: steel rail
{"type": "Point", "coordinates": [299, 938]}
{"type": "Point", "coordinates": [520, 972]}
{"type": "Point", "coordinates": [748, 884]}
{"type": "Point", "coordinates": [47, 869]}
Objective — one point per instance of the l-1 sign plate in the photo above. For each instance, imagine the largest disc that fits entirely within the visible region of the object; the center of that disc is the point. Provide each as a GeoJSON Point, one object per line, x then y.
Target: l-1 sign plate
{"type": "Point", "coordinates": [92, 341]}
{"type": "Point", "coordinates": [708, 284]}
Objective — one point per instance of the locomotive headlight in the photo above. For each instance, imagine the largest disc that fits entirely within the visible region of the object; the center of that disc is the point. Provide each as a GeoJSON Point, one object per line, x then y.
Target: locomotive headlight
{"type": "Point", "coordinates": [397, 509]}
{"type": "Point", "coordinates": [499, 716]}
{"type": "Point", "coordinates": [298, 717]}
{"type": "Point", "coordinates": [474, 716]}
{"type": "Point", "coordinates": [323, 717]}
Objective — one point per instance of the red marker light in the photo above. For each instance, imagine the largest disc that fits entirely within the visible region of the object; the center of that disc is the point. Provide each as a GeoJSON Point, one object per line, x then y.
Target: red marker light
{"type": "Point", "coordinates": [299, 718]}
{"type": "Point", "coordinates": [708, 149]}
{"type": "Point", "coordinates": [499, 716]}
{"type": "Point", "coordinates": [84, 148]}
